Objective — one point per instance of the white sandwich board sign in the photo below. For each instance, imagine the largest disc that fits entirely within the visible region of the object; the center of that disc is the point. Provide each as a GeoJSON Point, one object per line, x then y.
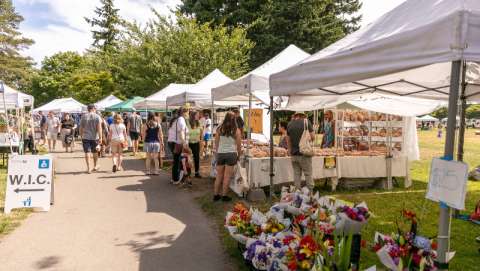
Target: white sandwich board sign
{"type": "Point", "coordinates": [29, 182]}
{"type": "Point", "coordinates": [448, 183]}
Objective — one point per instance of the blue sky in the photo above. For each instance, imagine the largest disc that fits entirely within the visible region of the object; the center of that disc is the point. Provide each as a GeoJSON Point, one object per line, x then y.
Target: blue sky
{"type": "Point", "coordinates": [59, 25]}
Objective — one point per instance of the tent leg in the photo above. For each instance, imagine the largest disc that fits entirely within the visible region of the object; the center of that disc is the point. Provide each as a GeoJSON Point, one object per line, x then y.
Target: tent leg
{"type": "Point", "coordinates": [463, 107]}
{"type": "Point", "coordinates": [272, 174]}
{"type": "Point", "coordinates": [444, 219]}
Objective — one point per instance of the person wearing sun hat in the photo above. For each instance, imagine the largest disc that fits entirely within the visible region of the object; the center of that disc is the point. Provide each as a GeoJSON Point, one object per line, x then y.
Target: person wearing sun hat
{"type": "Point", "coordinates": [301, 163]}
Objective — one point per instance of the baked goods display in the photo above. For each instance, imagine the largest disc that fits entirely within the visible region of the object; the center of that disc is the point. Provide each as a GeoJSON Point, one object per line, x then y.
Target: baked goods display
{"type": "Point", "coordinates": [360, 132]}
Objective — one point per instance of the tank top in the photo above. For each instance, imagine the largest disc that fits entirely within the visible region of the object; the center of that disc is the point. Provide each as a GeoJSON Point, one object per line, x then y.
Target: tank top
{"type": "Point", "coordinates": [227, 144]}
{"type": "Point", "coordinates": [194, 135]}
{"type": "Point", "coordinates": [152, 134]}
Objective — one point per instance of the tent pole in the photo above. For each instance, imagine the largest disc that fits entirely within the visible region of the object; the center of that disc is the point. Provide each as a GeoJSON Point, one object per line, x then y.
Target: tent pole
{"type": "Point", "coordinates": [463, 107]}
{"type": "Point", "coordinates": [272, 174]}
{"type": "Point", "coordinates": [444, 219]}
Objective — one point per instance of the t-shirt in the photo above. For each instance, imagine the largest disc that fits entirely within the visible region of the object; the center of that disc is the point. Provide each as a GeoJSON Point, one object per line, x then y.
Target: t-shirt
{"type": "Point", "coordinates": [295, 131]}
{"type": "Point", "coordinates": [52, 125]}
{"type": "Point", "coordinates": [89, 124]}
{"type": "Point", "coordinates": [180, 126]}
{"type": "Point", "coordinates": [171, 133]}
{"type": "Point", "coordinates": [118, 131]}
{"type": "Point", "coordinates": [135, 123]}
{"type": "Point", "coordinates": [68, 124]}
{"type": "Point", "coordinates": [208, 126]}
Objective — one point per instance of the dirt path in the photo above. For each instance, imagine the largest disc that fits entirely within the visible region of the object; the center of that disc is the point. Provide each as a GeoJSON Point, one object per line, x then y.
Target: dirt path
{"type": "Point", "coordinates": [106, 221]}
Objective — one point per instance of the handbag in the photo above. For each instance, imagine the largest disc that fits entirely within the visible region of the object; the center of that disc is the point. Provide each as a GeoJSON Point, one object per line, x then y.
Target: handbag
{"type": "Point", "coordinates": [305, 145]}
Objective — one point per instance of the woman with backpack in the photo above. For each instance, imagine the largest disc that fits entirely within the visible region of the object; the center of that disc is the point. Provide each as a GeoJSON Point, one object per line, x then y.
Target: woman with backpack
{"type": "Point", "coordinates": [152, 135]}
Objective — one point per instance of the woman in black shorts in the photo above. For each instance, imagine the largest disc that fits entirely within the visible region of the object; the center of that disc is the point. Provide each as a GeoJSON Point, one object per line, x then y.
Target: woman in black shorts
{"type": "Point", "coordinates": [228, 147]}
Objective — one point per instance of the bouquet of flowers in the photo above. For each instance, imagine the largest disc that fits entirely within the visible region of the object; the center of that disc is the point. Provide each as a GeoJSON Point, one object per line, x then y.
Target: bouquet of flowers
{"type": "Point", "coordinates": [405, 250]}
{"type": "Point", "coordinates": [240, 224]}
{"type": "Point", "coordinates": [351, 220]}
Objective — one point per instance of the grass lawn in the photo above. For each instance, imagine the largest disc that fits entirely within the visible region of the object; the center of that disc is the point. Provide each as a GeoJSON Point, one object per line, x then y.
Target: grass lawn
{"type": "Point", "coordinates": [386, 207]}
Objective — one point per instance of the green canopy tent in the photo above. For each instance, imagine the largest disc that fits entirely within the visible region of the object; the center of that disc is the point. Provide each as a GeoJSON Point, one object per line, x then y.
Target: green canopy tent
{"type": "Point", "coordinates": [125, 106]}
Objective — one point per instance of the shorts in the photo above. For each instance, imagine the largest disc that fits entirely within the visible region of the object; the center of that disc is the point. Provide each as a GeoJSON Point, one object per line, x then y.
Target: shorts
{"type": "Point", "coordinates": [134, 135]}
{"type": "Point", "coordinates": [226, 159]}
{"type": "Point", "coordinates": [207, 137]}
{"type": "Point", "coordinates": [116, 147]}
{"type": "Point", "coordinates": [52, 135]}
{"type": "Point", "coordinates": [89, 146]}
{"type": "Point", "coordinates": [151, 147]}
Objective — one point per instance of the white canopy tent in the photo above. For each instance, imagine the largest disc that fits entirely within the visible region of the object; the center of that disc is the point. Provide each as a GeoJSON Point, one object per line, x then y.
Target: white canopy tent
{"type": "Point", "coordinates": [425, 48]}
{"type": "Point", "coordinates": [14, 98]}
{"type": "Point", "coordinates": [406, 52]}
{"type": "Point", "coordinates": [62, 105]}
{"type": "Point", "coordinates": [256, 82]}
{"type": "Point", "coordinates": [106, 102]}
{"type": "Point", "coordinates": [427, 118]}
{"type": "Point", "coordinates": [158, 100]}
{"type": "Point", "coordinates": [201, 93]}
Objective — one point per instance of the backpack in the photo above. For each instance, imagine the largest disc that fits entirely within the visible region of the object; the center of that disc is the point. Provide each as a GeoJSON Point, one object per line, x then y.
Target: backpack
{"type": "Point", "coordinates": [306, 145]}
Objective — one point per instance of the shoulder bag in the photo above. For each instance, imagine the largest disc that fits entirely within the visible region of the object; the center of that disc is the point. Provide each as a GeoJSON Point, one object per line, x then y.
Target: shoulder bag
{"type": "Point", "coordinates": [178, 147]}
{"type": "Point", "coordinates": [305, 145]}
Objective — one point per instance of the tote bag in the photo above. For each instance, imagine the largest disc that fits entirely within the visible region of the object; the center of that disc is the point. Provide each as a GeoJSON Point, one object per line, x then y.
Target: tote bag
{"type": "Point", "coordinates": [305, 145]}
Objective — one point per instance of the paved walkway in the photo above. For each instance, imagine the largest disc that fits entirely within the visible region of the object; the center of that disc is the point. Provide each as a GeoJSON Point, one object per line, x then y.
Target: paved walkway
{"type": "Point", "coordinates": [106, 221]}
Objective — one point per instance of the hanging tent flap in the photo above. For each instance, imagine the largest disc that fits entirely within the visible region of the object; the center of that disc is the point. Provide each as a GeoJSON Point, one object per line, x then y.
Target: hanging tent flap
{"type": "Point", "coordinates": [413, 41]}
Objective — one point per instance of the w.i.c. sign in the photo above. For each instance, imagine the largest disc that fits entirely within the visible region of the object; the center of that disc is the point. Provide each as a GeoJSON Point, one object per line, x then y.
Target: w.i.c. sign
{"type": "Point", "coordinates": [29, 182]}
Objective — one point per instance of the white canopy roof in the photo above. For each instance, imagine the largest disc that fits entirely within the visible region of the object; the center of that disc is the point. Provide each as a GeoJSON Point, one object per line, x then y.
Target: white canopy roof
{"type": "Point", "coordinates": [106, 102]}
{"type": "Point", "coordinates": [158, 100]}
{"type": "Point", "coordinates": [257, 81]}
{"type": "Point", "coordinates": [427, 118]}
{"type": "Point", "coordinates": [201, 92]}
{"type": "Point", "coordinates": [62, 105]}
{"type": "Point", "coordinates": [381, 103]}
{"type": "Point", "coordinates": [407, 51]}
{"type": "Point", "coordinates": [15, 98]}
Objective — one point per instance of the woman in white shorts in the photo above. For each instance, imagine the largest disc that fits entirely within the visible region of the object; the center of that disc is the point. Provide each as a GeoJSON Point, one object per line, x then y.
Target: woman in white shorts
{"type": "Point", "coordinates": [117, 138]}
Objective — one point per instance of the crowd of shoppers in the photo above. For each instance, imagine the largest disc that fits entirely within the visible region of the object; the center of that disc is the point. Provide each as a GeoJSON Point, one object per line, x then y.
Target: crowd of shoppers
{"type": "Point", "coordinates": [191, 137]}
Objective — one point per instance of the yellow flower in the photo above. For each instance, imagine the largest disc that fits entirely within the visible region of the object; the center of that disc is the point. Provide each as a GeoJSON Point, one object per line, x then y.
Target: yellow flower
{"type": "Point", "coordinates": [306, 251]}
{"type": "Point", "coordinates": [305, 265]}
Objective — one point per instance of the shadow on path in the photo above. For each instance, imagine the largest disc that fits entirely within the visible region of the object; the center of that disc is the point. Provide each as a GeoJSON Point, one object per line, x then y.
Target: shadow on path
{"type": "Point", "coordinates": [197, 247]}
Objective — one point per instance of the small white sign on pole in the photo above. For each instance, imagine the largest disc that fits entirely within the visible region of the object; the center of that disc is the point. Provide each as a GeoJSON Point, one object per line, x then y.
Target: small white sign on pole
{"type": "Point", "coordinates": [29, 182]}
{"type": "Point", "coordinates": [448, 183]}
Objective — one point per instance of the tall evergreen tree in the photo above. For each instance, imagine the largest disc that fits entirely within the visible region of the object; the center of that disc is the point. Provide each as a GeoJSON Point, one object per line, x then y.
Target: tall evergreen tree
{"type": "Point", "coordinates": [106, 26]}
{"type": "Point", "coordinates": [274, 24]}
{"type": "Point", "coordinates": [15, 69]}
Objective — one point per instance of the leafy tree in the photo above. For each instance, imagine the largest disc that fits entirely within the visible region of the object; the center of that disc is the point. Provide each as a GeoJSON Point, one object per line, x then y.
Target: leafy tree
{"type": "Point", "coordinates": [473, 111]}
{"type": "Point", "coordinates": [440, 113]}
{"type": "Point", "coordinates": [106, 26]}
{"type": "Point", "coordinates": [274, 24]}
{"type": "Point", "coordinates": [69, 74]}
{"type": "Point", "coordinates": [15, 69]}
{"type": "Point", "coordinates": [183, 51]}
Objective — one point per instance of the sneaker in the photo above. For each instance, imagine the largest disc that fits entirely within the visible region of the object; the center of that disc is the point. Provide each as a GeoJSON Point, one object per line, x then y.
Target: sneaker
{"type": "Point", "coordinates": [96, 169]}
{"type": "Point", "coordinates": [176, 182]}
{"type": "Point", "coordinates": [197, 175]}
{"type": "Point", "coordinates": [226, 198]}
{"type": "Point", "coordinates": [189, 183]}
{"type": "Point", "coordinates": [114, 169]}
{"type": "Point", "coordinates": [216, 198]}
